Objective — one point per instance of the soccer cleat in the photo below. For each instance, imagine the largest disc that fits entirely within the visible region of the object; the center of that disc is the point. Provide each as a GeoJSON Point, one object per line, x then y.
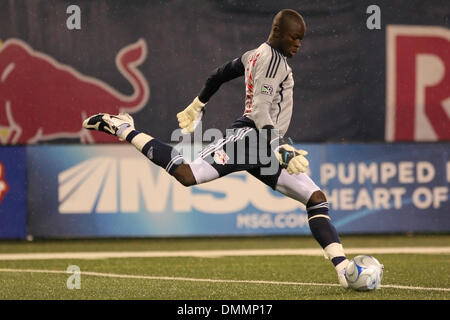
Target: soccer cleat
{"type": "Point", "coordinates": [340, 269]}
{"type": "Point", "coordinates": [109, 124]}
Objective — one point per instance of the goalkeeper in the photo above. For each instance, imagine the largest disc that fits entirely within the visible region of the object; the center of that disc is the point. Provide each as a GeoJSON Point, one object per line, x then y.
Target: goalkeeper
{"type": "Point", "coordinates": [259, 131]}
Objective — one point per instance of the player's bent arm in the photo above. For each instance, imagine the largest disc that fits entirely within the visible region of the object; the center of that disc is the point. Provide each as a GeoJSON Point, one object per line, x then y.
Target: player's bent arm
{"type": "Point", "coordinates": [292, 160]}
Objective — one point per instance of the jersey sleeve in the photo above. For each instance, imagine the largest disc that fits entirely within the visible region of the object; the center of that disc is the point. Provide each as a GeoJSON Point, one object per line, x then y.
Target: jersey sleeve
{"type": "Point", "coordinates": [227, 72]}
{"type": "Point", "coordinates": [269, 73]}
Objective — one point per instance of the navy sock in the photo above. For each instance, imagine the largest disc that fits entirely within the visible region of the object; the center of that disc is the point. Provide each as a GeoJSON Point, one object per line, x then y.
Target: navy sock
{"type": "Point", "coordinates": [158, 152]}
{"type": "Point", "coordinates": [322, 229]}
{"type": "Point", "coordinates": [337, 260]}
{"type": "Point", "coordinates": [163, 155]}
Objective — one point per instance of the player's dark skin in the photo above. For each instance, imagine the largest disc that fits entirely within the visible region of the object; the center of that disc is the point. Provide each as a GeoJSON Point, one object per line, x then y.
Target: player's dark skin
{"type": "Point", "coordinates": [287, 32]}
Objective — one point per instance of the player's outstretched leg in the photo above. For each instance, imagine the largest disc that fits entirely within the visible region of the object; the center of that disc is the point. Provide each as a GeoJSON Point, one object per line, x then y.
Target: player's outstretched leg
{"type": "Point", "coordinates": [300, 187]}
{"type": "Point", "coordinates": [163, 155]}
{"type": "Point", "coordinates": [325, 233]}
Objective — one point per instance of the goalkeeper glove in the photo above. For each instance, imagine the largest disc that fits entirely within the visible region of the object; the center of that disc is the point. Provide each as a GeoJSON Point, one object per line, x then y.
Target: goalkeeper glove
{"type": "Point", "coordinates": [189, 118]}
{"type": "Point", "coordinates": [292, 160]}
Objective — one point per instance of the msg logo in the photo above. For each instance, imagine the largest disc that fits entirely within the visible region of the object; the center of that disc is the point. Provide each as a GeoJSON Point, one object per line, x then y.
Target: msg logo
{"type": "Point", "coordinates": [134, 185]}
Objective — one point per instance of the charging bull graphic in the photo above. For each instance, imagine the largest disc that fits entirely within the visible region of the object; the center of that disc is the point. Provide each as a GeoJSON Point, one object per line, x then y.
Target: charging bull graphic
{"type": "Point", "coordinates": [42, 99]}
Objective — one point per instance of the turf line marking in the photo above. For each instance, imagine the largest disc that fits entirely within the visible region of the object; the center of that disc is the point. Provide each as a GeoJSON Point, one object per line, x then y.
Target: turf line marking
{"type": "Point", "coordinates": [216, 253]}
{"type": "Point", "coordinates": [129, 276]}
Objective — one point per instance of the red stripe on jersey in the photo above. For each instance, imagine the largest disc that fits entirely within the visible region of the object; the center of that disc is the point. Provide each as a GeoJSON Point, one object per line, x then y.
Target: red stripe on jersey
{"type": "Point", "coordinates": [249, 96]}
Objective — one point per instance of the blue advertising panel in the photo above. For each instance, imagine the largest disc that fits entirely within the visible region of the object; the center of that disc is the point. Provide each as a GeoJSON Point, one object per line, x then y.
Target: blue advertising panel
{"type": "Point", "coordinates": [81, 191]}
{"type": "Point", "coordinates": [12, 193]}
{"type": "Point", "coordinates": [388, 187]}
{"type": "Point", "coordinates": [78, 191]}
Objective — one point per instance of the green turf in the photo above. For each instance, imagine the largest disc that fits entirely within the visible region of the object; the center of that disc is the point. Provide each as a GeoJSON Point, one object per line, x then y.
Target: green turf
{"type": "Point", "coordinates": [400, 269]}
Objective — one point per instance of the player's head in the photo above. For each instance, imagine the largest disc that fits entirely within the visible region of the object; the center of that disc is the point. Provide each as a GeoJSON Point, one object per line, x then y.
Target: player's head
{"type": "Point", "coordinates": [288, 29]}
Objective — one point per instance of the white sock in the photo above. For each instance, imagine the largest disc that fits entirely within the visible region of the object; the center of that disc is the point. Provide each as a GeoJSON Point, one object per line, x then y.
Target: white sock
{"type": "Point", "coordinates": [140, 140]}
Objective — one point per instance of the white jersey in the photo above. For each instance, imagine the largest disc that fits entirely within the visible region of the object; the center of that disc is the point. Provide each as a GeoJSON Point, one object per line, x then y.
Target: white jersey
{"type": "Point", "coordinates": [269, 88]}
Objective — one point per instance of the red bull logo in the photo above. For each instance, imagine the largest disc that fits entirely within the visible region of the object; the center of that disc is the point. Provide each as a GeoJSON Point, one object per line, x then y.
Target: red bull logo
{"type": "Point", "coordinates": [43, 99]}
{"type": "Point", "coordinates": [418, 83]}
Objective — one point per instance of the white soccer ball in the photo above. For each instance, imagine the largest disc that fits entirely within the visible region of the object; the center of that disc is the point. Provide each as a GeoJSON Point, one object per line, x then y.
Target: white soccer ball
{"type": "Point", "coordinates": [364, 273]}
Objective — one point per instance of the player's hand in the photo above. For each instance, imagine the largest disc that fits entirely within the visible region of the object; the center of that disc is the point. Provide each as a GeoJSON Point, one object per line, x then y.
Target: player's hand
{"type": "Point", "coordinates": [292, 160]}
{"type": "Point", "coordinates": [187, 117]}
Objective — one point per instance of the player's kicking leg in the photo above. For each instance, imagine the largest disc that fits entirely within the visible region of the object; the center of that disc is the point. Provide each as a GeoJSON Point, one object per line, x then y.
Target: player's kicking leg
{"type": "Point", "coordinates": [163, 155]}
{"type": "Point", "coordinates": [325, 233]}
{"type": "Point", "coordinates": [300, 187]}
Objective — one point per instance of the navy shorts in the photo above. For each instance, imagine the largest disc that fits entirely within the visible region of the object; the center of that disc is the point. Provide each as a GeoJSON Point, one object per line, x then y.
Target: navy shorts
{"type": "Point", "coordinates": [243, 148]}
